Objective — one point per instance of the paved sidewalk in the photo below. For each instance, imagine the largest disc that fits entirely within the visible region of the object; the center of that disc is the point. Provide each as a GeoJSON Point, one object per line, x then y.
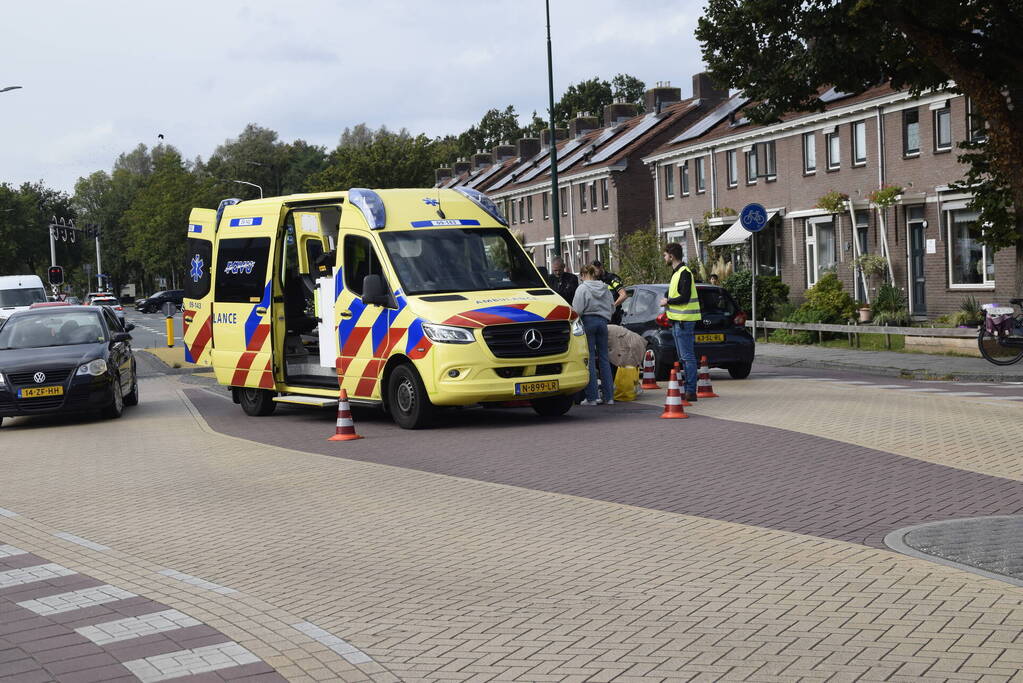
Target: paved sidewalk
{"type": "Point", "coordinates": [891, 363]}
{"type": "Point", "coordinates": [434, 577]}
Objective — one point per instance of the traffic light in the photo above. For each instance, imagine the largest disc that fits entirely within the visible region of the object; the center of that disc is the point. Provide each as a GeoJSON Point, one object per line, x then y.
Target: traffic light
{"type": "Point", "coordinates": [56, 275]}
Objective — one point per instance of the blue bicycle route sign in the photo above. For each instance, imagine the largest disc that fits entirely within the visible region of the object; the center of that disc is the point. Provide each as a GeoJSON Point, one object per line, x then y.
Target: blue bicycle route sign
{"type": "Point", "coordinates": [753, 217]}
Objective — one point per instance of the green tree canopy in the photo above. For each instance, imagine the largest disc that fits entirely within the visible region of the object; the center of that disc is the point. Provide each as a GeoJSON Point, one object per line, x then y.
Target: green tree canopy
{"type": "Point", "coordinates": [780, 52]}
{"type": "Point", "coordinates": [495, 127]}
{"type": "Point", "coordinates": [594, 94]}
{"type": "Point", "coordinates": [378, 159]}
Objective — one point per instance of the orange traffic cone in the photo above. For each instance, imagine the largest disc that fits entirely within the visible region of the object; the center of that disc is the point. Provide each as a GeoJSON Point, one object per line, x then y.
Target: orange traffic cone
{"type": "Point", "coordinates": [673, 401]}
{"type": "Point", "coordinates": [649, 379]}
{"type": "Point", "coordinates": [680, 375]}
{"type": "Point", "coordinates": [345, 424]}
{"type": "Point", "coordinates": [704, 389]}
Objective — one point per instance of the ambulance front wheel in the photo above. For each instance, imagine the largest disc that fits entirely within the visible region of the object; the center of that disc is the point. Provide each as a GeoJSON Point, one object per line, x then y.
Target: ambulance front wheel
{"type": "Point", "coordinates": [407, 401]}
{"type": "Point", "coordinates": [552, 406]}
{"type": "Point", "coordinates": [256, 402]}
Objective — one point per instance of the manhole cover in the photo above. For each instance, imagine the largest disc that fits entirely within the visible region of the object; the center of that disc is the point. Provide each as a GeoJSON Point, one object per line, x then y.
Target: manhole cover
{"type": "Point", "coordinates": [990, 546]}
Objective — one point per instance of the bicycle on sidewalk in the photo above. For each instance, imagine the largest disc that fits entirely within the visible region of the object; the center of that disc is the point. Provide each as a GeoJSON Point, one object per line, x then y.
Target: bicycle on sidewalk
{"type": "Point", "coordinates": [1000, 339]}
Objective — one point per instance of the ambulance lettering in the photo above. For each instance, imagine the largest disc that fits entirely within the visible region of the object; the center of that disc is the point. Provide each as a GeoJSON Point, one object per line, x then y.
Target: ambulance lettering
{"type": "Point", "coordinates": [229, 318]}
{"type": "Point", "coordinates": [239, 267]}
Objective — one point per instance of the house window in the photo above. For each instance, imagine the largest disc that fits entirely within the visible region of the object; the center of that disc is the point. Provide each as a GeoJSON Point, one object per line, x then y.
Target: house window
{"type": "Point", "coordinates": [582, 198]}
{"type": "Point", "coordinates": [701, 179]}
{"type": "Point", "coordinates": [809, 153]}
{"type": "Point", "coordinates": [529, 208]}
{"type": "Point", "coordinates": [821, 255]}
{"type": "Point", "coordinates": [767, 249]}
{"type": "Point", "coordinates": [834, 150]}
{"type": "Point", "coordinates": [859, 143]}
{"type": "Point", "coordinates": [683, 177]}
{"type": "Point", "coordinates": [603, 192]}
{"type": "Point", "coordinates": [862, 226]}
{"type": "Point", "coordinates": [975, 124]}
{"type": "Point", "coordinates": [522, 210]}
{"type": "Point", "coordinates": [546, 205]}
{"type": "Point", "coordinates": [942, 129]}
{"type": "Point", "coordinates": [563, 194]}
{"type": "Point", "coordinates": [770, 159]}
{"type": "Point", "coordinates": [583, 249]}
{"type": "Point", "coordinates": [733, 168]}
{"type": "Point", "coordinates": [970, 262]}
{"type": "Point", "coordinates": [910, 132]}
{"type": "Point", "coordinates": [751, 166]}
{"type": "Point", "coordinates": [603, 253]}
{"type": "Point", "coordinates": [593, 195]}
{"type": "Point", "coordinates": [514, 212]}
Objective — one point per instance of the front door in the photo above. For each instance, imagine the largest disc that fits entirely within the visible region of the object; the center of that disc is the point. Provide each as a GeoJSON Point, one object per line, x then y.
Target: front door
{"type": "Point", "coordinates": [197, 304]}
{"type": "Point", "coordinates": [917, 279]}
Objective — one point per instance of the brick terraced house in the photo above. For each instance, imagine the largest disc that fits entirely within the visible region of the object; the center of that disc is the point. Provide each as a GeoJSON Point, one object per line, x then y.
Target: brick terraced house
{"type": "Point", "coordinates": [605, 189]}
{"type": "Point", "coordinates": [858, 144]}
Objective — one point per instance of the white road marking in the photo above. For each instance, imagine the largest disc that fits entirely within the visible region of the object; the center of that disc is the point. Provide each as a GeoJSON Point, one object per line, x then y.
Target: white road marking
{"type": "Point", "coordinates": [137, 627]}
{"type": "Point", "coordinates": [11, 551]}
{"type": "Point", "coordinates": [80, 541]}
{"type": "Point", "coordinates": [8, 513]}
{"type": "Point", "coordinates": [190, 662]}
{"type": "Point", "coordinates": [196, 581]}
{"type": "Point", "coordinates": [40, 572]}
{"type": "Point", "coordinates": [65, 602]}
{"type": "Point", "coordinates": [966, 393]}
{"type": "Point", "coordinates": [351, 653]}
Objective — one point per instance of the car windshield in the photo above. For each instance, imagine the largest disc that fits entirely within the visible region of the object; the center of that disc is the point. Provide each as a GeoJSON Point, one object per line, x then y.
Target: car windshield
{"type": "Point", "coordinates": [459, 260]}
{"type": "Point", "coordinates": [21, 297]}
{"type": "Point", "coordinates": [53, 329]}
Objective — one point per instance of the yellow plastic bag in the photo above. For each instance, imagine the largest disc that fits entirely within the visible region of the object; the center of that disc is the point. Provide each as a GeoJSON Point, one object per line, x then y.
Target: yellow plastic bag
{"type": "Point", "coordinates": [626, 380]}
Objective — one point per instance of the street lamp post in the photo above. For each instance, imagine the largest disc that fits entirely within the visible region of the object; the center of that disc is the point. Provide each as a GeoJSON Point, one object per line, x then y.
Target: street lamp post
{"type": "Point", "coordinates": [273, 170]}
{"type": "Point", "coordinates": [555, 208]}
{"type": "Point", "coordinates": [245, 182]}
{"type": "Point", "coordinates": [10, 87]}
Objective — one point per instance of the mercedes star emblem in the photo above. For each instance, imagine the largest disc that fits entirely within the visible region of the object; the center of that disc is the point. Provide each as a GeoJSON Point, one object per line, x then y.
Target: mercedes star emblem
{"type": "Point", "coordinates": [39, 377]}
{"type": "Point", "coordinates": [532, 338]}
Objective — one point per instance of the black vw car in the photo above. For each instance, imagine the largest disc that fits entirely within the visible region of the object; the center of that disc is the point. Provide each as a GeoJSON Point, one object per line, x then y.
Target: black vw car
{"type": "Point", "coordinates": [66, 359]}
{"type": "Point", "coordinates": [155, 302]}
{"type": "Point", "coordinates": [721, 335]}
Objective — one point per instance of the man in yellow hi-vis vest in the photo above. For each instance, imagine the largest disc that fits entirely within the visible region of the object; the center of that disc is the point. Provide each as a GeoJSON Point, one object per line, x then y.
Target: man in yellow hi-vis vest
{"type": "Point", "coordinates": [683, 309]}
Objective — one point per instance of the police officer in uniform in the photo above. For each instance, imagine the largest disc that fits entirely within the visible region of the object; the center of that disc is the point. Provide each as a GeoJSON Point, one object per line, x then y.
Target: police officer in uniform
{"type": "Point", "coordinates": [617, 289]}
{"type": "Point", "coordinates": [683, 309]}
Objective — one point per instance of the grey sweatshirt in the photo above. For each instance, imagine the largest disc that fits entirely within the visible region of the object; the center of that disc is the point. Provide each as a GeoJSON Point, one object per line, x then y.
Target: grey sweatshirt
{"type": "Point", "coordinates": [593, 298]}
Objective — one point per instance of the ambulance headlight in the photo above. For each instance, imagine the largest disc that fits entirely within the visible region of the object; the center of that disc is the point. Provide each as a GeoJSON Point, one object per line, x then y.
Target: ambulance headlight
{"type": "Point", "coordinates": [577, 328]}
{"type": "Point", "coordinates": [94, 368]}
{"type": "Point", "coordinates": [448, 334]}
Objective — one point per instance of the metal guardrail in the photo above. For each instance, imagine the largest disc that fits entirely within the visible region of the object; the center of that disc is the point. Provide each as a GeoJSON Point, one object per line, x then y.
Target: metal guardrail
{"type": "Point", "coordinates": [854, 331]}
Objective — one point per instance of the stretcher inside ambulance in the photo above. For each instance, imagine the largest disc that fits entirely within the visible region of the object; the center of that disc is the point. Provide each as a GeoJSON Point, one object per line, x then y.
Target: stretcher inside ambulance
{"type": "Point", "coordinates": [409, 299]}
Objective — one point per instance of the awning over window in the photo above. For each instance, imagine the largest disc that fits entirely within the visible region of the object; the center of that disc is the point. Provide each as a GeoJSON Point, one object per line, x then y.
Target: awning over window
{"type": "Point", "coordinates": [736, 234]}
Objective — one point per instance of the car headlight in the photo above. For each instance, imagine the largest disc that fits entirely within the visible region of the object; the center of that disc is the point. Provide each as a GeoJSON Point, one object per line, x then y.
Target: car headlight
{"type": "Point", "coordinates": [577, 328]}
{"type": "Point", "coordinates": [448, 334]}
{"type": "Point", "coordinates": [94, 367]}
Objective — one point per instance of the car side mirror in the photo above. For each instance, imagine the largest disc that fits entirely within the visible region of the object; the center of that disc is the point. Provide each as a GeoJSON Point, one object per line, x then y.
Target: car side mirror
{"type": "Point", "coordinates": [129, 327]}
{"type": "Point", "coordinates": [373, 291]}
{"type": "Point", "coordinates": [120, 337]}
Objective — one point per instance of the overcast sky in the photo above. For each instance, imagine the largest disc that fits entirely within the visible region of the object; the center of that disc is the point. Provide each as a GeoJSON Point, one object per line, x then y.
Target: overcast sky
{"type": "Point", "coordinates": [100, 77]}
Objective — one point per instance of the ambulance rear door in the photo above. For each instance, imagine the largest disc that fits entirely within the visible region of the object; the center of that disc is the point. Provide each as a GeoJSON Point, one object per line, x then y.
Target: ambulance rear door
{"type": "Point", "coordinates": [243, 301]}
{"type": "Point", "coordinates": [197, 330]}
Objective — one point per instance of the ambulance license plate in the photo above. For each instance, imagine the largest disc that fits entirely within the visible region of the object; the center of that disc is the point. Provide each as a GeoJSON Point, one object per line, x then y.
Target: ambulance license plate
{"type": "Point", "coordinates": [36, 392]}
{"type": "Point", "coordinates": [709, 338]}
{"type": "Point", "coordinates": [545, 387]}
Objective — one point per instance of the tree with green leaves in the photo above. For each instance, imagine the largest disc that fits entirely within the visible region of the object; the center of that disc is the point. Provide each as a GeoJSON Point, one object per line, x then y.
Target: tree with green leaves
{"type": "Point", "coordinates": [780, 52]}
{"type": "Point", "coordinates": [640, 256]}
{"type": "Point", "coordinates": [594, 94]}
{"type": "Point", "coordinates": [378, 159]}
{"type": "Point", "coordinates": [495, 127]}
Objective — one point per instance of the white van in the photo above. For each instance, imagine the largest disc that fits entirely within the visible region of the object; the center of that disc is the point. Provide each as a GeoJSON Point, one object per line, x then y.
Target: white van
{"type": "Point", "coordinates": [18, 292]}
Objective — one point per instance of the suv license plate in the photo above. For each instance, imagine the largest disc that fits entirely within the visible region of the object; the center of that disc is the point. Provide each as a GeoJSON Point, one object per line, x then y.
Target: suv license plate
{"type": "Point", "coordinates": [544, 387]}
{"type": "Point", "coordinates": [708, 338]}
{"type": "Point", "coordinates": [36, 392]}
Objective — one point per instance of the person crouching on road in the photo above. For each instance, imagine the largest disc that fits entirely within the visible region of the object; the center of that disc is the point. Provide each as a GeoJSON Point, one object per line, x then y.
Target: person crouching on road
{"type": "Point", "coordinates": [683, 309]}
{"type": "Point", "coordinates": [593, 302]}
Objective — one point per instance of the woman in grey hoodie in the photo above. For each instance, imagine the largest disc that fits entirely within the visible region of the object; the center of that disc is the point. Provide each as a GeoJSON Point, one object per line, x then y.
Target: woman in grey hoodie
{"type": "Point", "coordinates": [594, 304]}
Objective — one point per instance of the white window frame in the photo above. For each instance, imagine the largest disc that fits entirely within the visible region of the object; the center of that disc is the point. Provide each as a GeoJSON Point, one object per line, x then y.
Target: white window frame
{"type": "Point", "coordinates": [809, 153]}
{"type": "Point", "coordinates": [700, 169]}
{"type": "Point", "coordinates": [834, 156]}
{"type": "Point", "coordinates": [812, 250]}
{"type": "Point", "coordinates": [604, 193]}
{"type": "Point", "coordinates": [683, 176]}
{"type": "Point", "coordinates": [859, 143]}
{"type": "Point", "coordinates": [752, 168]}
{"type": "Point", "coordinates": [529, 209]}
{"type": "Point", "coordinates": [593, 195]}
{"type": "Point", "coordinates": [563, 195]}
{"type": "Point", "coordinates": [669, 182]}
{"type": "Point", "coordinates": [582, 198]}
{"type": "Point", "coordinates": [985, 282]}
{"type": "Point", "coordinates": [732, 164]}
{"type": "Point", "coordinates": [946, 113]}
{"type": "Point", "coordinates": [546, 205]}
{"type": "Point", "coordinates": [906, 152]}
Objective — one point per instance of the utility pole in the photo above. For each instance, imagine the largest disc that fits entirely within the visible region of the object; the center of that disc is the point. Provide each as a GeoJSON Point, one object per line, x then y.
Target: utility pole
{"type": "Point", "coordinates": [555, 203]}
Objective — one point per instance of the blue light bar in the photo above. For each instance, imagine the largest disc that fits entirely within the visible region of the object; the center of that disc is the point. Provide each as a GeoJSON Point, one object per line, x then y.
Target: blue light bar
{"type": "Point", "coordinates": [484, 202]}
{"type": "Point", "coordinates": [371, 206]}
{"type": "Point", "coordinates": [224, 203]}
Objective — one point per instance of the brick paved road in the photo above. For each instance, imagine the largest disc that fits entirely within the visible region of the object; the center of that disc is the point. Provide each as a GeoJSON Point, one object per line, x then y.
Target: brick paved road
{"type": "Point", "coordinates": [702, 466]}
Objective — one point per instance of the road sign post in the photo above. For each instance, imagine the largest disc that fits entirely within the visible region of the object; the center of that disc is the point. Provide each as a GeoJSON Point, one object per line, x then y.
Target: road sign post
{"type": "Point", "coordinates": [753, 218]}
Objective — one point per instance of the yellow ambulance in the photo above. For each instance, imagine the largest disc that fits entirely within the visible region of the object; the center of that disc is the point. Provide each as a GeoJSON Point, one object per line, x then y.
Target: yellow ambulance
{"type": "Point", "coordinates": [409, 299]}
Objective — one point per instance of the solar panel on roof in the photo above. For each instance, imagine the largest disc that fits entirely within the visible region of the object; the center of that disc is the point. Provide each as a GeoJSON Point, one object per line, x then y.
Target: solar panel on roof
{"type": "Point", "coordinates": [489, 172]}
{"type": "Point", "coordinates": [569, 147]}
{"type": "Point", "coordinates": [833, 94]}
{"type": "Point", "coordinates": [520, 169]}
{"type": "Point", "coordinates": [711, 119]}
{"type": "Point", "coordinates": [608, 133]}
{"type": "Point", "coordinates": [648, 122]}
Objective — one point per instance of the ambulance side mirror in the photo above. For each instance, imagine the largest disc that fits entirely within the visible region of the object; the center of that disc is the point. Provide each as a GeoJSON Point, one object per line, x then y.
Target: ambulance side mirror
{"type": "Point", "coordinates": [373, 291]}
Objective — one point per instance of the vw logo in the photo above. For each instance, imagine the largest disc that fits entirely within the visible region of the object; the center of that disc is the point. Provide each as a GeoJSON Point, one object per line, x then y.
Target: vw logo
{"type": "Point", "coordinates": [532, 338]}
{"type": "Point", "coordinates": [39, 377]}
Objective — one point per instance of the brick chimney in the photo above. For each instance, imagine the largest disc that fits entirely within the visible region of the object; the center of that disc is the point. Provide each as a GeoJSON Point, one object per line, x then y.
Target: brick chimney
{"type": "Point", "coordinates": [481, 159]}
{"type": "Point", "coordinates": [462, 166]}
{"type": "Point", "coordinates": [503, 152]}
{"type": "Point", "coordinates": [443, 175]}
{"type": "Point", "coordinates": [660, 95]}
{"type": "Point", "coordinates": [705, 88]}
{"type": "Point", "coordinates": [528, 147]}
{"type": "Point", "coordinates": [618, 111]}
{"type": "Point", "coordinates": [559, 135]}
{"type": "Point", "coordinates": [582, 123]}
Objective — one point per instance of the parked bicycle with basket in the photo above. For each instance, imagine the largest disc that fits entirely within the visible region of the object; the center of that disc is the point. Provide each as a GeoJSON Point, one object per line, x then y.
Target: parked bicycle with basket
{"type": "Point", "coordinates": [1000, 339]}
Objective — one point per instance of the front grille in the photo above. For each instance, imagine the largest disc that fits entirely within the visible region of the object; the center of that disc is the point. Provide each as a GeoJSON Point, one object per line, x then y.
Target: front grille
{"type": "Point", "coordinates": [507, 341]}
{"type": "Point", "coordinates": [41, 403]}
{"type": "Point", "coordinates": [53, 376]}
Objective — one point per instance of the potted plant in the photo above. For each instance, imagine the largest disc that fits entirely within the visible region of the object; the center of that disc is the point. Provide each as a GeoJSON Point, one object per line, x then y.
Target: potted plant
{"type": "Point", "coordinates": [885, 196]}
{"type": "Point", "coordinates": [833, 202]}
{"type": "Point", "coordinates": [864, 311]}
